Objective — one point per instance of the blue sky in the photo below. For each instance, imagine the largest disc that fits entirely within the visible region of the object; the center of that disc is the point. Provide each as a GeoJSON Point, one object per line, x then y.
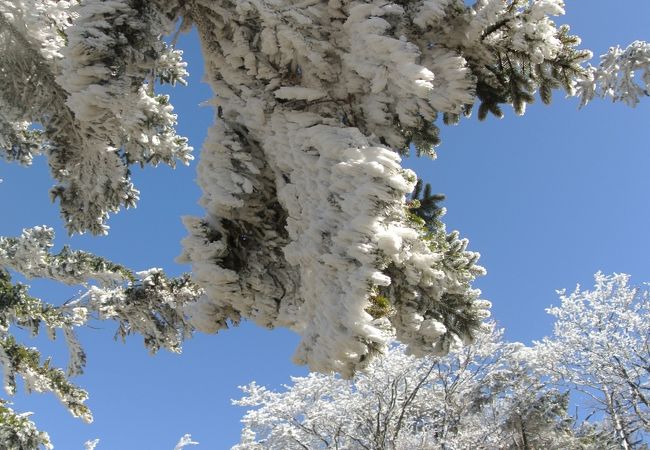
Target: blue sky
{"type": "Point", "coordinates": [547, 199]}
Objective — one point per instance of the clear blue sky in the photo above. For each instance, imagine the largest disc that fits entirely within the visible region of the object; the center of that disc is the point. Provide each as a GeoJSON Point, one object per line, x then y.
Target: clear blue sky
{"type": "Point", "coordinates": [547, 199]}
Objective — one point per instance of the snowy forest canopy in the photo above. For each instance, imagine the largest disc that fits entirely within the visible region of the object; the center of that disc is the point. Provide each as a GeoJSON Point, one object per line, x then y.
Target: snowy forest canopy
{"type": "Point", "coordinates": [583, 387]}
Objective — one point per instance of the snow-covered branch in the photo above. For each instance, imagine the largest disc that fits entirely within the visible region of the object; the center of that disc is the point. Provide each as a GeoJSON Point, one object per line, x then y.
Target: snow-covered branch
{"type": "Point", "coordinates": [18, 432]}
{"type": "Point", "coordinates": [147, 303]}
{"type": "Point", "coordinates": [87, 102]}
{"type": "Point", "coordinates": [307, 224]}
{"type": "Point", "coordinates": [622, 75]}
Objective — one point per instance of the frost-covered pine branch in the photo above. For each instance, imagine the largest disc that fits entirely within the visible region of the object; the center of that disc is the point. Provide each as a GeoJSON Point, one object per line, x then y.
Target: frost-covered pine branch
{"type": "Point", "coordinates": [303, 185]}
{"type": "Point", "coordinates": [17, 432]}
{"type": "Point", "coordinates": [147, 303]}
{"type": "Point", "coordinates": [77, 83]}
{"type": "Point", "coordinates": [184, 442]}
{"type": "Point", "coordinates": [622, 75]}
{"type": "Point", "coordinates": [30, 255]}
{"type": "Point", "coordinates": [90, 445]}
{"type": "Point", "coordinates": [20, 309]}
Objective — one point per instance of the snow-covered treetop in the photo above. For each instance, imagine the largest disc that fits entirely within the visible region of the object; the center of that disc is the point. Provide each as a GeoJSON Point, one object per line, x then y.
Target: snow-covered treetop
{"type": "Point", "coordinates": [487, 395]}
{"type": "Point", "coordinates": [491, 394]}
{"type": "Point", "coordinates": [601, 347]}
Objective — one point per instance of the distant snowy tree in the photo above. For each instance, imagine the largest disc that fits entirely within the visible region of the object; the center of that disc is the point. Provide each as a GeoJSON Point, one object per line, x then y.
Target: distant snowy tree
{"type": "Point", "coordinates": [601, 348]}
{"type": "Point", "coordinates": [307, 222]}
{"type": "Point", "coordinates": [487, 395]}
{"type": "Point", "coordinates": [147, 303]}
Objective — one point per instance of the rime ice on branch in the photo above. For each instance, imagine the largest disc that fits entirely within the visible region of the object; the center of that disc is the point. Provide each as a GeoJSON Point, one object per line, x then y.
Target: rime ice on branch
{"type": "Point", "coordinates": [623, 75]}
{"type": "Point", "coordinates": [147, 303]}
{"type": "Point", "coordinates": [83, 72]}
{"type": "Point", "coordinates": [307, 224]}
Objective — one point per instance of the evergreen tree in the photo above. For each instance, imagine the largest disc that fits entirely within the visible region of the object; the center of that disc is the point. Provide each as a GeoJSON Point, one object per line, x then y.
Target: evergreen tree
{"type": "Point", "coordinates": [306, 200]}
{"type": "Point", "coordinates": [307, 221]}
